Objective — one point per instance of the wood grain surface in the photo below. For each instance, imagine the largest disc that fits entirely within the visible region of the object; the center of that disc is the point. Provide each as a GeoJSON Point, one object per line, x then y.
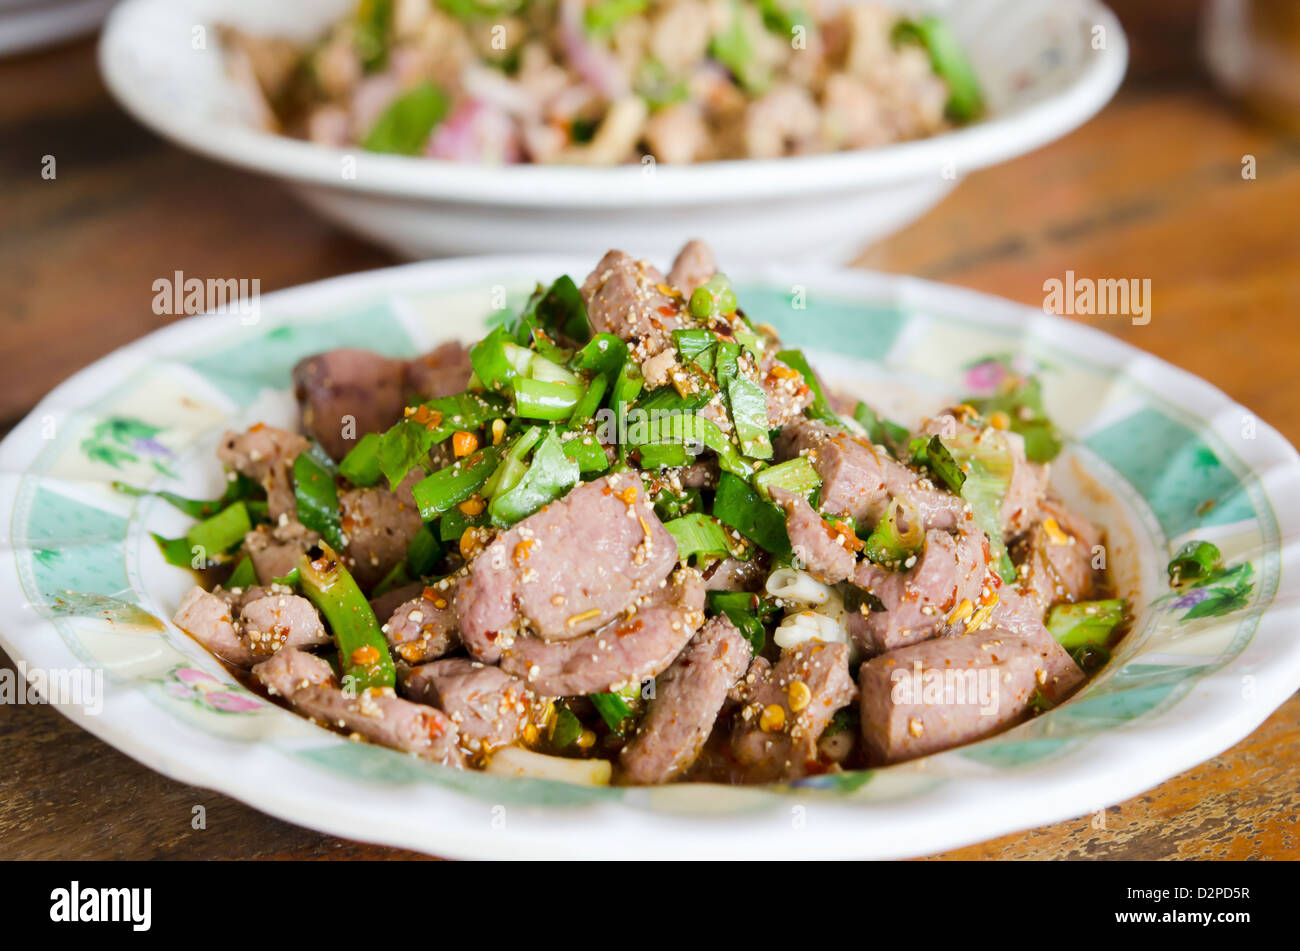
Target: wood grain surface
{"type": "Point", "coordinates": [1152, 188]}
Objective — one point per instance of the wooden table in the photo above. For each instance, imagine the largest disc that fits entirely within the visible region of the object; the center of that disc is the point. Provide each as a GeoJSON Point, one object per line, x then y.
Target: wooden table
{"type": "Point", "coordinates": [1151, 189]}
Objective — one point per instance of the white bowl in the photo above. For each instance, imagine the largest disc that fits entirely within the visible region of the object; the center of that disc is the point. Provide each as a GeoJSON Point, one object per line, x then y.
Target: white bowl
{"type": "Point", "coordinates": [1154, 455]}
{"type": "Point", "coordinates": [1041, 74]}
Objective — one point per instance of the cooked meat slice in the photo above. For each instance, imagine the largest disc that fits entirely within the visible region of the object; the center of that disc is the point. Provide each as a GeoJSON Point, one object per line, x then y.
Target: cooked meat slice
{"type": "Point", "coordinates": [937, 508]}
{"type": "Point", "coordinates": [627, 651]}
{"type": "Point", "coordinates": [385, 604]}
{"type": "Point", "coordinates": [376, 714]}
{"type": "Point", "coordinates": [381, 716]}
{"type": "Point", "coordinates": [850, 468]}
{"type": "Point", "coordinates": [821, 550]}
{"type": "Point", "coordinates": [348, 391]}
{"type": "Point", "coordinates": [732, 574]}
{"type": "Point", "coordinates": [207, 618]}
{"type": "Point", "coordinates": [279, 620]}
{"type": "Point", "coordinates": [688, 696]}
{"type": "Point", "coordinates": [275, 549]}
{"type": "Point", "coordinates": [1018, 613]}
{"type": "Point", "coordinates": [702, 474]}
{"type": "Point", "coordinates": [983, 681]}
{"type": "Point", "coordinates": [624, 298]}
{"type": "Point", "coordinates": [378, 525]}
{"type": "Point", "coordinates": [238, 597]}
{"type": "Point", "coordinates": [444, 371]}
{"type": "Point", "coordinates": [920, 602]}
{"type": "Point", "coordinates": [859, 479]}
{"type": "Point", "coordinates": [424, 628]}
{"type": "Point", "coordinates": [788, 394]}
{"type": "Point", "coordinates": [265, 454]}
{"type": "Point", "coordinates": [288, 671]}
{"type": "Point", "coordinates": [488, 706]}
{"type": "Point", "coordinates": [694, 265]}
{"type": "Point", "coordinates": [759, 670]}
{"type": "Point", "coordinates": [776, 732]}
{"type": "Point", "coordinates": [1025, 493]}
{"type": "Point", "coordinates": [1057, 557]}
{"type": "Point", "coordinates": [565, 570]}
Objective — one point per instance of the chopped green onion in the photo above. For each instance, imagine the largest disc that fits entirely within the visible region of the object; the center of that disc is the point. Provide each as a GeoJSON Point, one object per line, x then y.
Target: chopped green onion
{"type": "Point", "coordinates": [221, 532]}
{"type": "Point", "coordinates": [557, 311]}
{"type": "Point", "coordinates": [739, 506]}
{"type": "Point", "coordinates": [512, 466]}
{"type": "Point", "coordinates": [178, 552]}
{"type": "Point", "coordinates": [604, 354]}
{"type": "Point", "coordinates": [587, 407]}
{"type": "Point", "coordinates": [748, 405]}
{"type": "Point", "coordinates": [726, 362]}
{"type": "Point", "coordinates": [699, 535]}
{"type": "Point", "coordinates": [696, 346]}
{"type": "Point", "coordinates": [1090, 657]}
{"type": "Point", "coordinates": [291, 580]}
{"type": "Point", "coordinates": [626, 386]}
{"type": "Point", "coordinates": [238, 489]}
{"type": "Point", "coordinates": [795, 475]}
{"type": "Point", "coordinates": [422, 553]}
{"type": "Point", "coordinates": [935, 455]}
{"type": "Point", "coordinates": [547, 370]}
{"type": "Point", "coordinates": [407, 444]}
{"type": "Point", "coordinates": [566, 728]}
{"type": "Point", "coordinates": [363, 650]}
{"type": "Point", "coordinates": [746, 611]}
{"type": "Point", "coordinates": [318, 499]}
{"type": "Point", "coordinates": [612, 708]}
{"type": "Point", "coordinates": [244, 575]}
{"type": "Point", "coordinates": [1193, 562]}
{"type": "Point", "coordinates": [586, 450]}
{"type": "Point", "coordinates": [1085, 623]}
{"type": "Point", "coordinates": [361, 465]}
{"type": "Point", "coordinates": [550, 475]}
{"type": "Point", "coordinates": [538, 399]}
{"type": "Point", "coordinates": [454, 522]}
{"type": "Point", "coordinates": [370, 33]}
{"type": "Point", "coordinates": [437, 493]}
{"type": "Point", "coordinates": [663, 455]}
{"type": "Point", "coordinates": [666, 399]}
{"type": "Point", "coordinates": [603, 15]}
{"type": "Point", "coordinates": [495, 366]}
{"type": "Point", "coordinates": [898, 536]}
{"type": "Point", "coordinates": [734, 49]}
{"type": "Point", "coordinates": [949, 61]}
{"type": "Point", "coordinates": [698, 431]}
{"type": "Point", "coordinates": [398, 576]}
{"type": "Point", "coordinates": [669, 505]}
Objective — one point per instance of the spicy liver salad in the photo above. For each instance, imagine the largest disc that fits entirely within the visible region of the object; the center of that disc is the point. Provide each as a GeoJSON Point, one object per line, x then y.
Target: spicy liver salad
{"type": "Point", "coordinates": [629, 536]}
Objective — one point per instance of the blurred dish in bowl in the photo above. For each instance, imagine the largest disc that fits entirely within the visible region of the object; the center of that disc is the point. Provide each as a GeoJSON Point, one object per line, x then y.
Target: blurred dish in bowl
{"type": "Point", "coordinates": [1043, 69]}
{"type": "Point", "coordinates": [611, 81]}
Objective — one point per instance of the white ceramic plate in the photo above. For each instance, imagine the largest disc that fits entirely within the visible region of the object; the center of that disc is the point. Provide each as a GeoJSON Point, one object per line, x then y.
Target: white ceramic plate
{"type": "Point", "coordinates": [1036, 59]}
{"type": "Point", "coordinates": [1156, 456]}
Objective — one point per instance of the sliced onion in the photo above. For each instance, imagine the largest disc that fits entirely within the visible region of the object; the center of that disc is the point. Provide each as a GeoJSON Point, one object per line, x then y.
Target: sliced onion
{"type": "Point", "coordinates": [517, 761]}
